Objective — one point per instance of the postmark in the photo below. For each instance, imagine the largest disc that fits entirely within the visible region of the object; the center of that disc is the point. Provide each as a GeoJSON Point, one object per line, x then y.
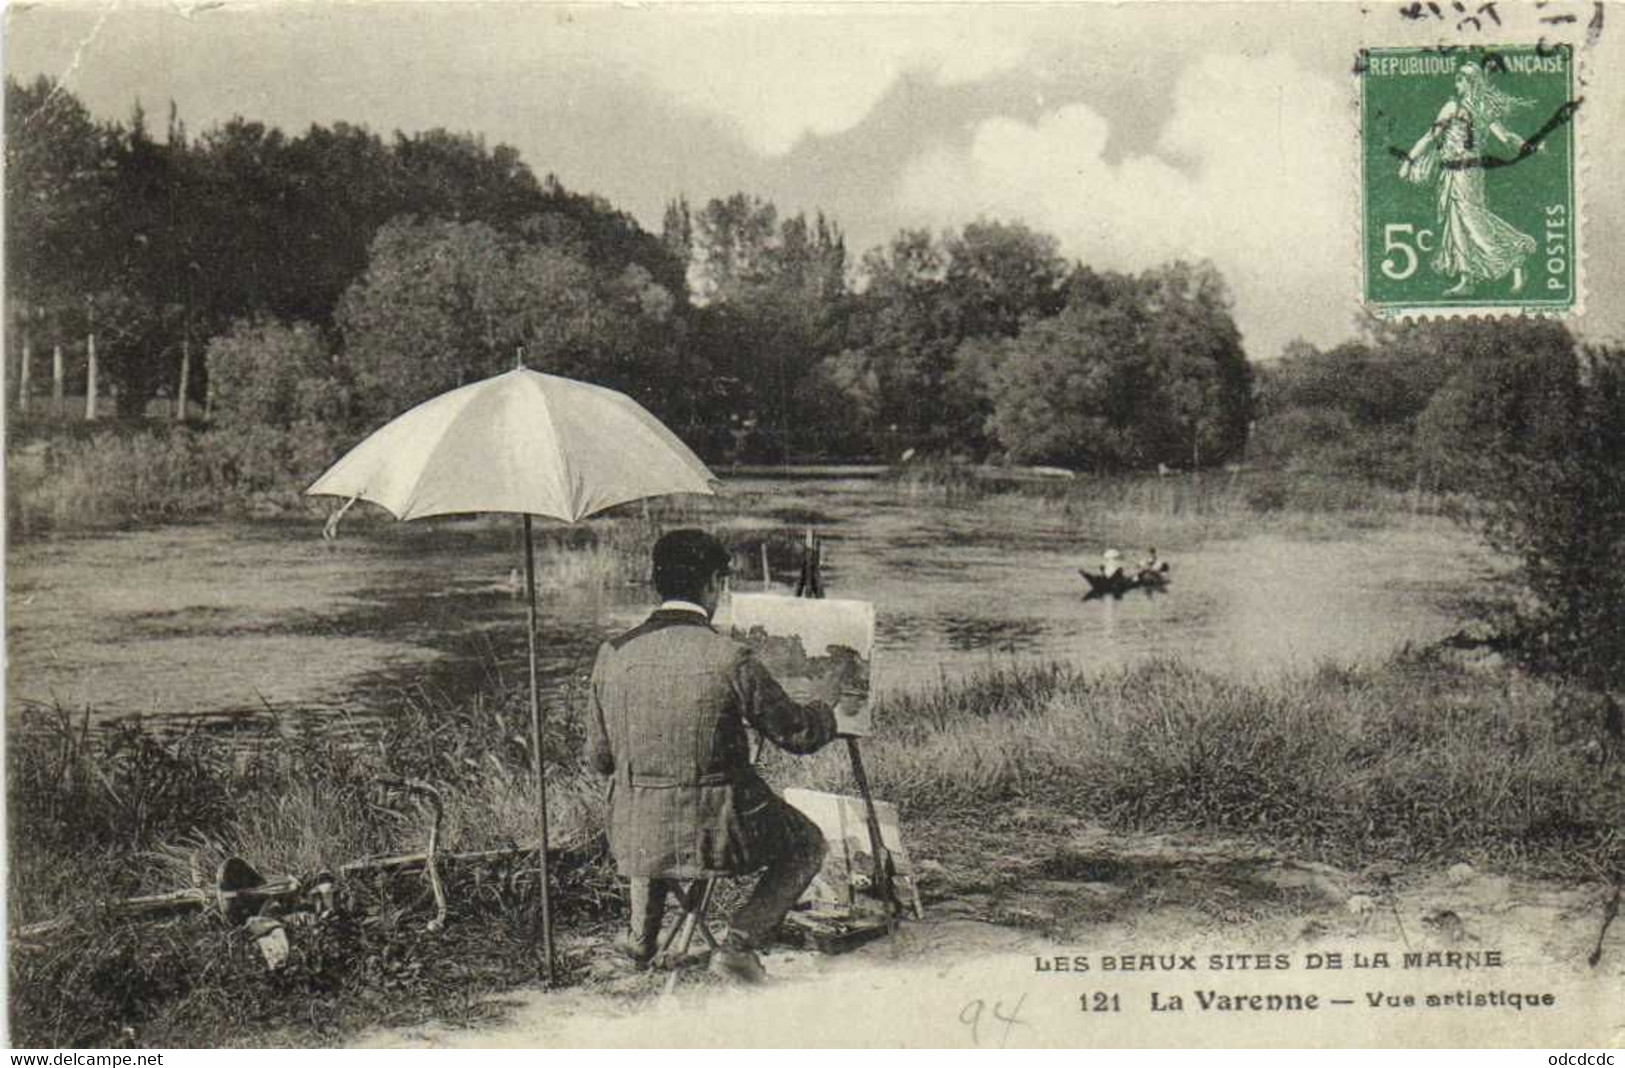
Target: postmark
{"type": "Point", "coordinates": [1469, 180]}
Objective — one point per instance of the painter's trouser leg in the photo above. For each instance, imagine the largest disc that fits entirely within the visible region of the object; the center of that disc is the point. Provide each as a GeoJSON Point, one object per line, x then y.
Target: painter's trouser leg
{"type": "Point", "coordinates": [647, 898]}
{"type": "Point", "coordinates": [795, 849]}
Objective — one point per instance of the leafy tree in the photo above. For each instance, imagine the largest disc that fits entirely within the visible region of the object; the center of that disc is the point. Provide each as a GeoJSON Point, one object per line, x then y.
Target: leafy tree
{"type": "Point", "coordinates": [265, 373]}
{"type": "Point", "coordinates": [903, 335]}
{"type": "Point", "coordinates": [1503, 406]}
{"type": "Point", "coordinates": [435, 309]}
{"type": "Point", "coordinates": [677, 231]}
{"type": "Point", "coordinates": [1066, 390]}
{"type": "Point", "coordinates": [734, 243]}
{"type": "Point", "coordinates": [1134, 371]}
{"type": "Point", "coordinates": [446, 303]}
{"type": "Point", "coordinates": [1551, 482]}
{"type": "Point", "coordinates": [1200, 397]}
{"type": "Point", "coordinates": [56, 188]}
{"type": "Point", "coordinates": [148, 278]}
{"type": "Point", "coordinates": [1409, 395]}
{"type": "Point", "coordinates": [999, 275]}
{"type": "Point", "coordinates": [924, 299]}
{"type": "Point", "coordinates": [157, 242]}
{"type": "Point", "coordinates": [832, 400]}
{"type": "Point", "coordinates": [88, 220]}
{"type": "Point", "coordinates": [343, 184]}
{"type": "Point", "coordinates": [774, 306]}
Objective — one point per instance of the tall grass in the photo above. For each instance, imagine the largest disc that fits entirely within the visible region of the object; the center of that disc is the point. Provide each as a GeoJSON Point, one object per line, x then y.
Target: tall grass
{"type": "Point", "coordinates": [1410, 760]}
{"type": "Point", "coordinates": [100, 814]}
{"type": "Point", "coordinates": [109, 480]}
{"type": "Point", "coordinates": [131, 476]}
{"type": "Point", "coordinates": [1181, 507]}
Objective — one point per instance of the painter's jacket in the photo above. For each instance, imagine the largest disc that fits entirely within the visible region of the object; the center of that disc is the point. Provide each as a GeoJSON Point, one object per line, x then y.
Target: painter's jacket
{"type": "Point", "coordinates": [672, 701]}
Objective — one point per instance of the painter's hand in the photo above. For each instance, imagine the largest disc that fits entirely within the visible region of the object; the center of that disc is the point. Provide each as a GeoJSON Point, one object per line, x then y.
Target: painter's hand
{"type": "Point", "coordinates": [849, 706]}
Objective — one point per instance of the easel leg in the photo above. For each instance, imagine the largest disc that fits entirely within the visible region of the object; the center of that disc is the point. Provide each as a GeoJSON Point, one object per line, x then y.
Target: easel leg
{"type": "Point", "coordinates": [884, 869]}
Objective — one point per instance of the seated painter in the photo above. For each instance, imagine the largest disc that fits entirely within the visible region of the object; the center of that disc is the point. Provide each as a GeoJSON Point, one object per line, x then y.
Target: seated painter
{"type": "Point", "coordinates": [672, 705]}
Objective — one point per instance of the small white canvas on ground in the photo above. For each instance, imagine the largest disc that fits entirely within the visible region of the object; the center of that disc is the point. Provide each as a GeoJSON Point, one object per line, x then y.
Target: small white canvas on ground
{"type": "Point", "coordinates": [850, 865]}
{"type": "Point", "coordinates": [816, 649]}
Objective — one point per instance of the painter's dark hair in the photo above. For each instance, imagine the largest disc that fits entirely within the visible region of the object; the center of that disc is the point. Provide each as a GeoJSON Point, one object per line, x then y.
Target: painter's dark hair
{"type": "Point", "coordinates": [684, 561]}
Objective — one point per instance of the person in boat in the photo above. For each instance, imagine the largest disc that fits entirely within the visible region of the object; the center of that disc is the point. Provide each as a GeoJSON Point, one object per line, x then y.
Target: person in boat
{"type": "Point", "coordinates": [1151, 565]}
{"type": "Point", "coordinates": [670, 711]}
{"type": "Point", "coordinates": [1111, 564]}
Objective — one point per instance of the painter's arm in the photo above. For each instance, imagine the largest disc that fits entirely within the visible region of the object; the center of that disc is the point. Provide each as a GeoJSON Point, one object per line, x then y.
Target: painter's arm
{"type": "Point", "coordinates": [790, 725]}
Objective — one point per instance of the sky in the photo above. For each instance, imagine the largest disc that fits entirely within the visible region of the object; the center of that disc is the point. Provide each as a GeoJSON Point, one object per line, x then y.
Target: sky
{"type": "Point", "coordinates": [1135, 133]}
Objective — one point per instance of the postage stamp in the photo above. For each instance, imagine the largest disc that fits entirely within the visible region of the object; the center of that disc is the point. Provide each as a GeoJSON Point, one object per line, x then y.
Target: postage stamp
{"type": "Point", "coordinates": [1469, 179]}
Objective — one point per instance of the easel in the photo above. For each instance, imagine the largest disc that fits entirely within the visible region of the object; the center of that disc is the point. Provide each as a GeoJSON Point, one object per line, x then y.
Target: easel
{"type": "Point", "coordinates": [811, 584]}
{"type": "Point", "coordinates": [811, 581]}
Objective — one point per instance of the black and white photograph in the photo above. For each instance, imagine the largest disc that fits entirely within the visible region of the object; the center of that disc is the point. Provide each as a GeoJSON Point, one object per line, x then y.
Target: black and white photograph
{"type": "Point", "coordinates": [853, 525]}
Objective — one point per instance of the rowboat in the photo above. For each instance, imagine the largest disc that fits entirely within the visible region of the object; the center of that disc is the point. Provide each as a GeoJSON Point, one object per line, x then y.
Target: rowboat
{"type": "Point", "coordinates": [1121, 582]}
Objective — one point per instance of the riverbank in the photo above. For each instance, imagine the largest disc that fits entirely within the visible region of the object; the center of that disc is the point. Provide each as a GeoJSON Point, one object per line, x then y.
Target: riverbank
{"type": "Point", "coordinates": [139, 476]}
{"type": "Point", "coordinates": [1409, 767]}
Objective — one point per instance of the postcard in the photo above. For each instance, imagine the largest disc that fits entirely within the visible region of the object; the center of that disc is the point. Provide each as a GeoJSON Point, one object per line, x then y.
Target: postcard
{"type": "Point", "coordinates": [1297, 328]}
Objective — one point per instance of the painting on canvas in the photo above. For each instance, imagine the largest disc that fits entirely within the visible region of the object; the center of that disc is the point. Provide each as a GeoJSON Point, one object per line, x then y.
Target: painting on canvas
{"type": "Point", "coordinates": [849, 865]}
{"type": "Point", "coordinates": [818, 650]}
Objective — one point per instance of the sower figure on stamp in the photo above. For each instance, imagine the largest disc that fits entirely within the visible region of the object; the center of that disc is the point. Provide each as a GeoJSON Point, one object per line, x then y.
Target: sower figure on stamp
{"type": "Point", "coordinates": [1475, 244]}
{"type": "Point", "coordinates": [673, 702]}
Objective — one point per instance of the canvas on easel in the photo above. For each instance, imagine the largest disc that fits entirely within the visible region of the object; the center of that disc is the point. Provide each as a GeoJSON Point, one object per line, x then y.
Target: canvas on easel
{"type": "Point", "coordinates": [849, 866]}
{"type": "Point", "coordinates": [818, 650]}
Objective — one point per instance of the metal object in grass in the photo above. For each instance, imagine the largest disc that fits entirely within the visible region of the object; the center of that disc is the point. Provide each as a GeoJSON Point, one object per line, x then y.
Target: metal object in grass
{"type": "Point", "coordinates": [526, 443]}
{"type": "Point", "coordinates": [431, 860]}
{"type": "Point", "coordinates": [1610, 912]}
{"type": "Point", "coordinates": [240, 891]}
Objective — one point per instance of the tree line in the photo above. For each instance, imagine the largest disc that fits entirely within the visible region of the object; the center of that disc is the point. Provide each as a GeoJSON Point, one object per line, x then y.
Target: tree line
{"type": "Point", "coordinates": [339, 276]}
{"type": "Point", "coordinates": [158, 245]}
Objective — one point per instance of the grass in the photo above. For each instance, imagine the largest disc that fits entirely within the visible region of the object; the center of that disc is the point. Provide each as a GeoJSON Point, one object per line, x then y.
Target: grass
{"type": "Point", "coordinates": [144, 474]}
{"type": "Point", "coordinates": [153, 473]}
{"type": "Point", "coordinates": [1415, 761]}
{"type": "Point", "coordinates": [1182, 508]}
{"type": "Point", "coordinates": [109, 813]}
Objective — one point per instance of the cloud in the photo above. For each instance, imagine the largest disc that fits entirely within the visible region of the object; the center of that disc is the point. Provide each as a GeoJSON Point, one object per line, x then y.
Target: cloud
{"type": "Point", "coordinates": [1254, 169]}
{"type": "Point", "coordinates": [778, 77]}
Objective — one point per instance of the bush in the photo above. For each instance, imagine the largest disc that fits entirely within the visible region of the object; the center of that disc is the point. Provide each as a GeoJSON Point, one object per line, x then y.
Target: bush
{"type": "Point", "coordinates": [1555, 501]}
{"type": "Point", "coordinates": [113, 479]}
{"type": "Point", "coordinates": [130, 476]}
{"type": "Point", "coordinates": [265, 374]}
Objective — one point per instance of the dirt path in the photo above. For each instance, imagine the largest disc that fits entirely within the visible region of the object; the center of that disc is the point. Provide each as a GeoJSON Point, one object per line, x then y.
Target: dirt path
{"type": "Point", "coordinates": [1195, 921]}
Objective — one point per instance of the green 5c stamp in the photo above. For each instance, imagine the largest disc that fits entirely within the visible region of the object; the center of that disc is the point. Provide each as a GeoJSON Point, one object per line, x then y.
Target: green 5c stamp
{"type": "Point", "coordinates": [1469, 177]}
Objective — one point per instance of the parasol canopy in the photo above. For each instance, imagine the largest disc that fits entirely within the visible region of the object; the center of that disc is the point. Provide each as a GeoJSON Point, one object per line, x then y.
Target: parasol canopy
{"type": "Point", "coordinates": [521, 442]}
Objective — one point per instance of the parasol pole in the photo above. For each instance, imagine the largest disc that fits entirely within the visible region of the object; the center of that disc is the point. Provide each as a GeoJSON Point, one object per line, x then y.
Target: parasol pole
{"type": "Point", "coordinates": [536, 750]}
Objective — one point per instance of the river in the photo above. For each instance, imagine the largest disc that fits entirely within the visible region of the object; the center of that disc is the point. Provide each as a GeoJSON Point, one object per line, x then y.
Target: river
{"type": "Point", "coordinates": [235, 618]}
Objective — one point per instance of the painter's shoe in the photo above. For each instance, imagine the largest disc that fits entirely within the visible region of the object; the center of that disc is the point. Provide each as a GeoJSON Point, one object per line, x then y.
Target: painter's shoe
{"type": "Point", "coordinates": [740, 966]}
{"type": "Point", "coordinates": [631, 953]}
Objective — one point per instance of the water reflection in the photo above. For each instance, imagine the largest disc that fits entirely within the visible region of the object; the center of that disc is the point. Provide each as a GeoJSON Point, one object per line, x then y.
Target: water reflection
{"type": "Point", "coordinates": [970, 633]}
{"type": "Point", "coordinates": [240, 617]}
